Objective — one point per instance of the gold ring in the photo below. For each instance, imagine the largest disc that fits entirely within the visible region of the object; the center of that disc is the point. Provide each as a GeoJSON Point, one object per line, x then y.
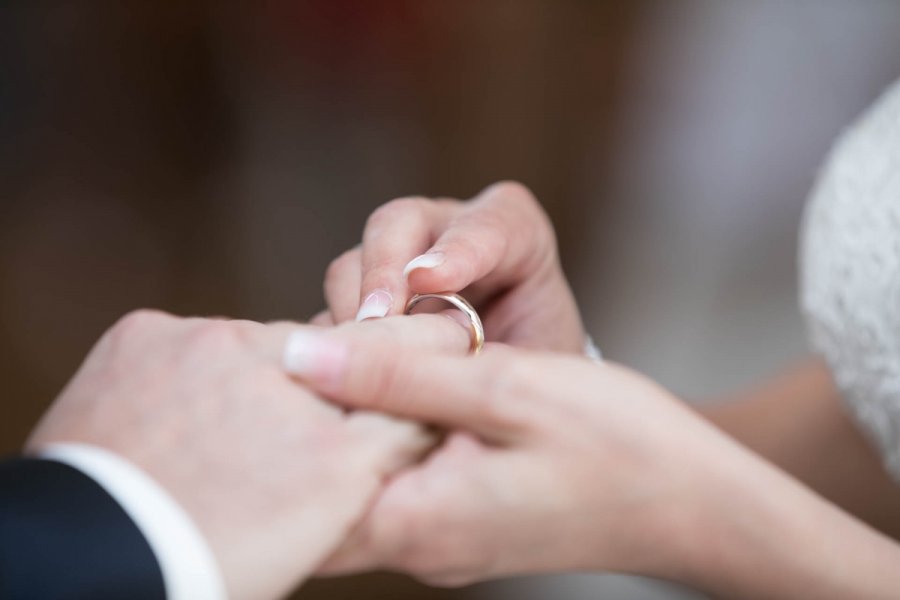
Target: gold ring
{"type": "Point", "coordinates": [466, 308]}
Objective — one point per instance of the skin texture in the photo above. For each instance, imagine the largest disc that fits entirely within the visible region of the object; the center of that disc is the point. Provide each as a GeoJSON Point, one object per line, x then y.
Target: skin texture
{"type": "Point", "coordinates": [796, 421]}
{"type": "Point", "coordinates": [273, 476]}
{"type": "Point", "coordinates": [491, 503]}
{"type": "Point", "coordinates": [499, 251]}
{"type": "Point", "coordinates": [555, 463]}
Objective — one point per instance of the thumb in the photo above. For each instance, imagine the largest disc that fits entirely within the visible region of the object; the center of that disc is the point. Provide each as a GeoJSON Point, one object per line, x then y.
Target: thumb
{"type": "Point", "coordinates": [502, 239]}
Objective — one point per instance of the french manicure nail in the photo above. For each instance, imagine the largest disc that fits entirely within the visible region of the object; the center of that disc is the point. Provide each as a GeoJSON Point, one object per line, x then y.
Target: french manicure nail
{"type": "Point", "coordinates": [312, 355]}
{"type": "Point", "coordinates": [376, 305]}
{"type": "Point", "coordinates": [429, 260]}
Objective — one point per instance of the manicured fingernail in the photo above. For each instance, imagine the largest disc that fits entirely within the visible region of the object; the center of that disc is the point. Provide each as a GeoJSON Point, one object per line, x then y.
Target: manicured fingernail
{"type": "Point", "coordinates": [376, 305]}
{"type": "Point", "coordinates": [428, 260]}
{"type": "Point", "coordinates": [312, 355]}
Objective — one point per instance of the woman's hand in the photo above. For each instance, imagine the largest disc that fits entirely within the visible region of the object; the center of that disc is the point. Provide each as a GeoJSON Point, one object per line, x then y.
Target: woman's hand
{"type": "Point", "coordinates": [555, 464]}
{"type": "Point", "coordinates": [498, 250]}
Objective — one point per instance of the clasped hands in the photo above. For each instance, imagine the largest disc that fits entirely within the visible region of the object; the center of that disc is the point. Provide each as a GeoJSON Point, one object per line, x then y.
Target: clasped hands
{"type": "Point", "coordinates": [303, 450]}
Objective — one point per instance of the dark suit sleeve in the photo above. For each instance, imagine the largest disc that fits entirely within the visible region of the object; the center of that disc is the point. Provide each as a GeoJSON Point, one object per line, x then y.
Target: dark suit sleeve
{"type": "Point", "coordinates": [62, 536]}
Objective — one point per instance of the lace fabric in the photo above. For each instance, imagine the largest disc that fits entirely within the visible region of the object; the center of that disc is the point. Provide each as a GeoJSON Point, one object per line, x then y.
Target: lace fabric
{"type": "Point", "coordinates": [850, 264]}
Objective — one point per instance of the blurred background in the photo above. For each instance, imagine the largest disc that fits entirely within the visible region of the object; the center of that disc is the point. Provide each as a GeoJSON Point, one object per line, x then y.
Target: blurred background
{"type": "Point", "coordinates": [211, 158]}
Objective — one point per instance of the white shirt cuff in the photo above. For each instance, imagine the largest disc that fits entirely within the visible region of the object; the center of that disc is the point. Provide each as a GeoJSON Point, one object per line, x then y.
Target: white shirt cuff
{"type": "Point", "coordinates": [189, 569]}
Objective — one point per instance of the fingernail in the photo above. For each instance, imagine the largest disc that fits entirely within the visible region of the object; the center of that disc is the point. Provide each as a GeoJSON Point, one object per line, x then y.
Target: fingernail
{"type": "Point", "coordinates": [312, 355]}
{"type": "Point", "coordinates": [376, 305]}
{"type": "Point", "coordinates": [429, 260]}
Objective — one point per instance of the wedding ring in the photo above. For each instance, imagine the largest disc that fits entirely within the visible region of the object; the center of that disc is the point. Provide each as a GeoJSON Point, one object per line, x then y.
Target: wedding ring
{"type": "Point", "coordinates": [458, 302]}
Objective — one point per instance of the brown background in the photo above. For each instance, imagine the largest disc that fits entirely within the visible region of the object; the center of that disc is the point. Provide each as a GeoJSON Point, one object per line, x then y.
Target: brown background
{"type": "Point", "coordinates": [211, 158]}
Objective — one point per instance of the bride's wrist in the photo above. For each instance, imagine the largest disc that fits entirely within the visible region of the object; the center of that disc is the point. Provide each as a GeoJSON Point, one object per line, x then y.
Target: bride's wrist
{"type": "Point", "coordinates": [674, 525]}
{"type": "Point", "coordinates": [717, 518]}
{"type": "Point", "coordinates": [729, 520]}
{"type": "Point", "coordinates": [753, 531]}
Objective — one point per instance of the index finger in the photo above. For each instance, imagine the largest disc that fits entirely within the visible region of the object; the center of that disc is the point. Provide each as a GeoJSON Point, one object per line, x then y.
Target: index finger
{"type": "Point", "coordinates": [420, 332]}
{"type": "Point", "coordinates": [452, 391]}
{"type": "Point", "coordinates": [395, 232]}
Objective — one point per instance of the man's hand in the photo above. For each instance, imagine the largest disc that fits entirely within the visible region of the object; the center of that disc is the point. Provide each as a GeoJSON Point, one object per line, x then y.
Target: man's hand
{"type": "Point", "coordinates": [273, 476]}
{"type": "Point", "coordinates": [498, 250]}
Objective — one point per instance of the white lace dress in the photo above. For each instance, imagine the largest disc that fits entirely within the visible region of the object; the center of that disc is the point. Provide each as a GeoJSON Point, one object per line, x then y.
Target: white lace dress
{"type": "Point", "coordinates": [850, 259]}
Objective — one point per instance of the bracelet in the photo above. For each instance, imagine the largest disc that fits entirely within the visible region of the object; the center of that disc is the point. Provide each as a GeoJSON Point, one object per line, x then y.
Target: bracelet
{"type": "Point", "coordinates": [592, 351]}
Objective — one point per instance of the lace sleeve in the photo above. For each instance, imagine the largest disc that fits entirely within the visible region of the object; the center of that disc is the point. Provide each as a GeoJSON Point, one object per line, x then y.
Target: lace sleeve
{"type": "Point", "coordinates": [850, 259]}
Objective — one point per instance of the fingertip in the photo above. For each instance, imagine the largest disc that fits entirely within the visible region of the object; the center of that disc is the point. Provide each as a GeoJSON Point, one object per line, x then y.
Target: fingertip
{"type": "Point", "coordinates": [430, 281]}
{"type": "Point", "coordinates": [314, 357]}
{"type": "Point", "coordinates": [429, 261]}
{"type": "Point", "coordinates": [430, 273]}
{"type": "Point", "coordinates": [376, 304]}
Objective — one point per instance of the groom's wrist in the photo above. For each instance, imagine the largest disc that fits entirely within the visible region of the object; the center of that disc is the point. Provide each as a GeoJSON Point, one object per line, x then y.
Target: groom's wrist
{"type": "Point", "coordinates": [187, 564]}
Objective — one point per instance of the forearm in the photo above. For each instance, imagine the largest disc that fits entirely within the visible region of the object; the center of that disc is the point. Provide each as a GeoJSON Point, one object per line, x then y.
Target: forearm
{"type": "Point", "coordinates": [761, 534]}
{"type": "Point", "coordinates": [798, 423]}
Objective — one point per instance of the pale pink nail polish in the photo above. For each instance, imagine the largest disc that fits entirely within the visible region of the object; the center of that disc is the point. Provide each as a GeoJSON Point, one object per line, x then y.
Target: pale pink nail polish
{"type": "Point", "coordinates": [376, 305]}
{"type": "Point", "coordinates": [312, 355]}
{"type": "Point", "coordinates": [429, 260]}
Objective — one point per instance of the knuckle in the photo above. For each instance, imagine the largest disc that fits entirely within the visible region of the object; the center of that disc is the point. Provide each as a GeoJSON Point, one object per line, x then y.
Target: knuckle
{"type": "Point", "coordinates": [533, 222]}
{"type": "Point", "coordinates": [506, 384]}
{"type": "Point", "coordinates": [514, 190]}
{"type": "Point", "coordinates": [215, 335]}
{"type": "Point", "coordinates": [141, 319]}
{"type": "Point", "coordinates": [340, 265]}
{"type": "Point", "coordinates": [508, 380]}
{"type": "Point", "coordinates": [138, 323]}
{"type": "Point", "coordinates": [515, 194]}
{"type": "Point", "coordinates": [407, 204]}
{"type": "Point", "coordinates": [267, 377]}
{"type": "Point", "coordinates": [388, 377]}
{"type": "Point", "coordinates": [391, 211]}
{"type": "Point", "coordinates": [133, 332]}
{"type": "Point", "coordinates": [490, 240]}
{"type": "Point", "coordinates": [379, 270]}
{"type": "Point", "coordinates": [449, 203]}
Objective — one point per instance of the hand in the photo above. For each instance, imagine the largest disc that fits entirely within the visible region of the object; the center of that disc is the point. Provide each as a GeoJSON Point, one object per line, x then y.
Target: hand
{"type": "Point", "coordinates": [559, 464]}
{"type": "Point", "coordinates": [555, 464]}
{"type": "Point", "coordinates": [498, 250]}
{"type": "Point", "coordinates": [273, 476]}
